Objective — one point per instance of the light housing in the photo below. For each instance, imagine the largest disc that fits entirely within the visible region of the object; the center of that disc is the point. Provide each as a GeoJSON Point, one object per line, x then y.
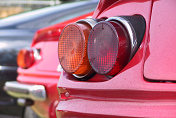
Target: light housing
{"type": "Point", "coordinates": [113, 43]}
{"type": "Point", "coordinates": [25, 58]}
{"type": "Point", "coordinates": [108, 47]}
{"type": "Point", "coordinates": [110, 43]}
{"type": "Point", "coordinates": [72, 48]}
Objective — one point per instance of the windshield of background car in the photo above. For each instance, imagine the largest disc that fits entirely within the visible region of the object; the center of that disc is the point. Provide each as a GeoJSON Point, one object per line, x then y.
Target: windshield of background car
{"type": "Point", "coordinates": [48, 16]}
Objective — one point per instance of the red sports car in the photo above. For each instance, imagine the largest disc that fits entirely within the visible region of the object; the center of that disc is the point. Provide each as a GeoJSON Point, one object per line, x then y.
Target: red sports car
{"type": "Point", "coordinates": [119, 63]}
{"type": "Point", "coordinates": [36, 84]}
{"type": "Point", "coordinates": [122, 63]}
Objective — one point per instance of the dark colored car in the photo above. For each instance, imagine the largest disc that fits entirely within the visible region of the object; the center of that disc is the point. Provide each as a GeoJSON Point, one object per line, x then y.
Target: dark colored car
{"type": "Point", "coordinates": [16, 32]}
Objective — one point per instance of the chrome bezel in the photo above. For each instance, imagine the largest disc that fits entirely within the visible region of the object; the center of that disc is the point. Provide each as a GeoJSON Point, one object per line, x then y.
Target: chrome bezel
{"type": "Point", "coordinates": [36, 53]}
{"type": "Point", "coordinates": [90, 21]}
{"type": "Point", "coordinates": [82, 76]}
{"type": "Point", "coordinates": [130, 30]}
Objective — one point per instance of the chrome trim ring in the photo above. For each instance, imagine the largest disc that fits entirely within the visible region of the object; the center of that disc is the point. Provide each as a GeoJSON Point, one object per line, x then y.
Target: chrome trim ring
{"type": "Point", "coordinates": [89, 21]}
{"type": "Point", "coordinates": [37, 55]}
{"type": "Point", "coordinates": [82, 77]}
{"type": "Point", "coordinates": [131, 32]}
{"type": "Point", "coordinates": [19, 90]}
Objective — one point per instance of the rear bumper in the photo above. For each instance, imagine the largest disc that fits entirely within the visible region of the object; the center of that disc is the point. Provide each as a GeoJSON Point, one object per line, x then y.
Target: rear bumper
{"type": "Point", "coordinates": [28, 91]}
{"type": "Point", "coordinates": [8, 105]}
{"type": "Point", "coordinates": [49, 81]}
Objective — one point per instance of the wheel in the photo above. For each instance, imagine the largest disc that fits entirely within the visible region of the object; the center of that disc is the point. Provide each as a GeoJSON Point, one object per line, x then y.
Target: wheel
{"type": "Point", "coordinates": [29, 113]}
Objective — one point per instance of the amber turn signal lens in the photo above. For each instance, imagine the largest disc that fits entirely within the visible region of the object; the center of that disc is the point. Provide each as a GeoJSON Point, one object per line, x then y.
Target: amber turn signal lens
{"type": "Point", "coordinates": [25, 58]}
{"type": "Point", "coordinates": [72, 49]}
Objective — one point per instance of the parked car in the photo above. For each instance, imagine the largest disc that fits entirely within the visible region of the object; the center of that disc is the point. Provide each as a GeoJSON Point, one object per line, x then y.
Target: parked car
{"type": "Point", "coordinates": [36, 84]}
{"type": "Point", "coordinates": [16, 32]}
{"type": "Point", "coordinates": [123, 66]}
{"type": "Point", "coordinates": [120, 63]}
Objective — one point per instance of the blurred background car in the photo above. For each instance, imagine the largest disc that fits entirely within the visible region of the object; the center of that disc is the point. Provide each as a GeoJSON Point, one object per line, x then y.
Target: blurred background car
{"type": "Point", "coordinates": [16, 32]}
{"type": "Point", "coordinates": [37, 76]}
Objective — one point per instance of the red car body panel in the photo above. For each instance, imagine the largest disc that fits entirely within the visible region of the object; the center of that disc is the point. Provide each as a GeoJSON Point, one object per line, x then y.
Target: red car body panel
{"type": "Point", "coordinates": [44, 71]}
{"type": "Point", "coordinates": [129, 94]}
{"type": "Point", "coordinates": [161, 43]}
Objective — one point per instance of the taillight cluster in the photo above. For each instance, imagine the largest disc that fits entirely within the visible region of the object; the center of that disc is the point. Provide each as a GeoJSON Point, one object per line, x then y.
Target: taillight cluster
{"type": "Point", "coordinates": [103, 47]}
{"type": "Point", "coordinates": [26, 57]}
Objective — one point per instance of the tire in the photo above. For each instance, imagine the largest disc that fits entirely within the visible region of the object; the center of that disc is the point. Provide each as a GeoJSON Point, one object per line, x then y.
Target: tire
{"type": "Point", "coordinates": [29, 113]}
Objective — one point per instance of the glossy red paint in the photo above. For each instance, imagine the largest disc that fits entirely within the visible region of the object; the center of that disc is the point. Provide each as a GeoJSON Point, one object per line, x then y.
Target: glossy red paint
{"type": "Point", "coordinates": [53, 32]}
{"type": "Point", "coordinates": [44, 71]}
{"type": "Point", "coordinates": [162, 46]}
{"type": "Point", "coordinates": [128, 94]}
{"type": "Point", "coordinates": [103, 4]}
{"type": "Point", "coordinates": [52, 109]}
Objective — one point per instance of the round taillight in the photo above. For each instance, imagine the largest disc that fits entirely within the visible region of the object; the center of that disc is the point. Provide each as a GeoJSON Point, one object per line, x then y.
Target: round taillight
{"type": "Point", "coordinates": [109, 47]}
{"type": "Point", "coordinates": [72, 49]}
{"type": "Point", "coordinates": [25, 58]}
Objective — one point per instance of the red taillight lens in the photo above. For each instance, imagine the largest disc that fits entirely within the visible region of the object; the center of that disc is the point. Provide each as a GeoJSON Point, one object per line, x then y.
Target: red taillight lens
{"type": "Point", "coordinates": [72, 49]}
{"type": "Point", "coordinates": [25, 58]}
{"type": "Point", "coordinates": [108, 47]}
